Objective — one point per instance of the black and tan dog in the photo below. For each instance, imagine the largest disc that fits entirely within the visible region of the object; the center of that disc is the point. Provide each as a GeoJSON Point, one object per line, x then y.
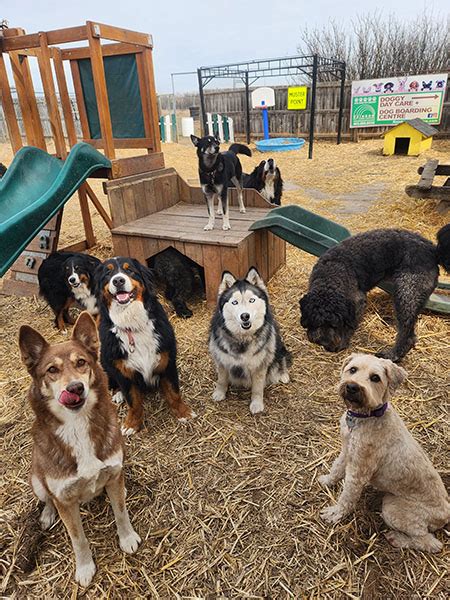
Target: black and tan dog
{"type": "Point", "coordinates": [138, 347]}
{"type": "Point", "coordinates": [266, 179]}
{"type": "Point", "coordinates": [67, 279]}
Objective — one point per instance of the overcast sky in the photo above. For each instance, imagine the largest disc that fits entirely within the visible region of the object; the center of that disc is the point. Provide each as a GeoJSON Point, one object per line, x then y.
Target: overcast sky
{"type": "Point", "coordinates": [188, 34]}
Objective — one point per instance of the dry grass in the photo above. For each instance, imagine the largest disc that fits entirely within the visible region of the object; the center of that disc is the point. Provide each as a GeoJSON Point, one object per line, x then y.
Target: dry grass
{"type": "Point", "coordinates": [229, 505]}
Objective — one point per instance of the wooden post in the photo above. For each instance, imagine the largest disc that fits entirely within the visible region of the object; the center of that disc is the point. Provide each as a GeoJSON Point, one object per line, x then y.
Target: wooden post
{"type": "Point", "coordinates": [8, 108]}
{"type": "Point", "coordinates": [86, 216]}
{"type": "Point", "coordinates": [64, 96]}
{"type": "Point", "coordinates": [151, 92]}
{"type": "Point", "coordinates": [27, 100]}
{"type": "Point", "coordinates": [101, 93]}
{"type": "Point", "coordinates": [80, 99]}
{"type": "Point", "coordinates": [45, 68]}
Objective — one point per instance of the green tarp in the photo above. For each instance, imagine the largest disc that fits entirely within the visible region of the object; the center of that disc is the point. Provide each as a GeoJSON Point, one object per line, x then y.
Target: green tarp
{"type": "Point", "coordinates": [123, 93]}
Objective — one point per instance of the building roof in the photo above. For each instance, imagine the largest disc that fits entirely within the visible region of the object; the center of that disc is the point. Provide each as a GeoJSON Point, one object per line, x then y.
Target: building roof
{"type": "Point", "coordinates": [419, 125]}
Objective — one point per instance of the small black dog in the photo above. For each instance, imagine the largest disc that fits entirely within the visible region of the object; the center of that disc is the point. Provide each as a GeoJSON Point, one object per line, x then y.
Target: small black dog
{"type": "Point", "coordinates": [181, 277]}
{"type": "Point", "coordinates": [66, 278]}
{"type": "Point", "coordinates": [340, 280]}
{"type": "Point", "coordinates": [266, 179]}
{"type": "Point", "coordinates": [217, 171]}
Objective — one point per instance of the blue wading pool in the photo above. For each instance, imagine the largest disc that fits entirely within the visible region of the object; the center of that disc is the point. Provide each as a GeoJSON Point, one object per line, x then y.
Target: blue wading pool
{"type": "Point", "coordinates": [279, 144]}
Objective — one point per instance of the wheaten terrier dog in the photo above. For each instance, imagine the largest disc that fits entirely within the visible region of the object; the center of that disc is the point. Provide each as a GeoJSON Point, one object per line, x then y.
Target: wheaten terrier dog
{"type": "Point", "coordinates": [377, 449]}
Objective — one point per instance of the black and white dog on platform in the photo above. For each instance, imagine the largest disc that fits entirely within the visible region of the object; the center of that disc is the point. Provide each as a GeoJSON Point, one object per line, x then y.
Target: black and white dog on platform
{"type": "Point", "coordinates": [245, 341]}
{"type": "Point", "coordinates": [66, 279]}
{"type": "Point", "coordinates": [218, 171]}
{"type": "Point", "coordinates": [266, 179]}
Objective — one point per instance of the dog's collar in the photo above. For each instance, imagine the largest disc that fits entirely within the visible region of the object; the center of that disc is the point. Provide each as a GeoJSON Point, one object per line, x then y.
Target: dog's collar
{"type": "Point", "coordinates": [129, 333]}
{"type": "Point", "coordinates": [352, 417]}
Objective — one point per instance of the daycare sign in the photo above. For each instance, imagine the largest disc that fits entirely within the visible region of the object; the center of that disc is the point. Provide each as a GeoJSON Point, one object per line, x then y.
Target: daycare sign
{"type": "Point", "coordinates": [390, 101]}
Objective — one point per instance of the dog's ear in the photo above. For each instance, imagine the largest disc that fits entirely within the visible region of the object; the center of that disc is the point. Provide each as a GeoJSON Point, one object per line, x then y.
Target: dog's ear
{"type": "Point", "coordinates": [255, 279]}
{"type": "Point", "coordinates": [217, 138]}
{"type": "Point", "coordinates": [227, 281]}
{"type": "Point", "coordinates": [195, 140]}
{"type": "Point", "coordinates": [85, 332]}
{"type": "Point", "coordinates": [396, 375]}
{"type": "Point", "coordinates": [304, 302]}
{"type": "Point", "coordinates": [93, 262]}
{"type": "Point", "coordinates": [147, 276]}
{"type": "Point", "coordinates": [32, 346]}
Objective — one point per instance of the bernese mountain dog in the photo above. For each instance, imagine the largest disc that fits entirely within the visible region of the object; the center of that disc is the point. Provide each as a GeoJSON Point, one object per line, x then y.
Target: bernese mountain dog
{"type": "Point", "coordinates": [67, 279]}
{"type": "Point", "coordinates": [266, 179]}
{"type": "Point", "coordinates": [138, 347]}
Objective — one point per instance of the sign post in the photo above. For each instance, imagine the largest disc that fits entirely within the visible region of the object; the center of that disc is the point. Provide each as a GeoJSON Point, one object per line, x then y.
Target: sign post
{"type": "Point", "coordinates": [390, 101]}
{"type": "Point", "coordinates": [264, 97]}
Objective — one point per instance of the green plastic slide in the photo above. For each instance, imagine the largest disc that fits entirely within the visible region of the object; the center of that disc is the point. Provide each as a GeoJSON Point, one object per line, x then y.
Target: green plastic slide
{"type": "Point", "coordinates": [35, 187]}
{"type": "Point", "coordinates": [315, 235]}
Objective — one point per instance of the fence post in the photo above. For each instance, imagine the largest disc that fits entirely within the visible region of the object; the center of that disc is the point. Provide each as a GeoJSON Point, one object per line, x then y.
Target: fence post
{"type": "Point", "coordinates": [162, 129]}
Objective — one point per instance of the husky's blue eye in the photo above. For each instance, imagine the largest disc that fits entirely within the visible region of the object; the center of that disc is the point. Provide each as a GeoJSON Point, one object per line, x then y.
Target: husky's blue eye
{"type": "Point", "coordinates": [252, 300]}
{"type": "Point", "coordinates": [234, 302]}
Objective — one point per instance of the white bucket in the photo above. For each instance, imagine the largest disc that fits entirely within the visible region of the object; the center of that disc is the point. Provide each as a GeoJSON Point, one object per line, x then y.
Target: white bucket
{"type": "Point", "coordinates": [187, 126]}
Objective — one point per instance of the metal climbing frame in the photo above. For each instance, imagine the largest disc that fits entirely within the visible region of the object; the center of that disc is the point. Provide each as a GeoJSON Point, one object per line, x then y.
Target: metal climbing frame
{"type": "Point", "coordinates": [249, 72]}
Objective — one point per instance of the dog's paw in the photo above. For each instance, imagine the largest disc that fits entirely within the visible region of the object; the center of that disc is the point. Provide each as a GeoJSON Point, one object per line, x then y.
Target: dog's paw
{"type": "Point", "coordinates": [187, 418]}
{"type": "Point", "coordinates": [208, 227]}
{"type": "Point", "coordinates": [219, 395]}
{"type": "Point", "coordinates": [332, 514]}
{"type": "Point", "coordinates": [48, 516]}
{"type": "Point", "coordinates": [118, 398]}
{"type": "Point", "coordinates": [256, 407]}
{"type": "Point", "coordinates": [388, 355]}
{"type": "Point", "coordinates": [85, 573]}
{"type": "Point", "coordinates": [127, 431]}
{"type": "Point", "coordinates": [325, 480]}
{"type": "Point", "coordinates": [284, 378]}
{"type": "Point", "coordinates": [130, 542]}
{"type": "Point", "coordinates": [185, 313]}
{"type": "Point", "coordinates": [242, 210]}
{"type": "Point", "coordinates": [226, 226]}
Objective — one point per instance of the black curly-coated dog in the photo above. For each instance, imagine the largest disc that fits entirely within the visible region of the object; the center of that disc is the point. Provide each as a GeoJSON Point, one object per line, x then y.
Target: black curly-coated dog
{"type": "Point", "coordinates": [340, 280]}
{"type": "Point", "coordinates": [180, 276]}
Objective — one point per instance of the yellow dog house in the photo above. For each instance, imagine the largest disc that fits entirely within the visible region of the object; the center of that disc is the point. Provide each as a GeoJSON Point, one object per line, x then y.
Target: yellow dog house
{"type": "Point", "coordinates": [410, 137]}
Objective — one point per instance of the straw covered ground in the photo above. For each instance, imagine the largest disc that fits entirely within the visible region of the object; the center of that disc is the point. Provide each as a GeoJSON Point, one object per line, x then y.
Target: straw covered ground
{"type": "Point", "coordinates": [228, 506]}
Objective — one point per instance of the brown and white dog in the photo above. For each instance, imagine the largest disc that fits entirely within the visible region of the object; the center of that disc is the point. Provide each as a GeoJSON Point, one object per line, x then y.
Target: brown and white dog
{"type": "Point", "coordinates": [378, 450]}
{"type": "Point", "coordinates": [78, 447]}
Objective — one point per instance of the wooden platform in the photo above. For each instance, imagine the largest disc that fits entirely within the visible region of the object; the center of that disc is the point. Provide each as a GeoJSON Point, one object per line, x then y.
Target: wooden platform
{"type": "Point", "coordinates": [426, 187]}
{"type": "Point", "coordinates": [161, 210]}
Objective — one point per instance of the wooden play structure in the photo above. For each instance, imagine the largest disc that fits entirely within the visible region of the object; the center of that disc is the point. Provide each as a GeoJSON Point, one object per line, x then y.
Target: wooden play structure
{"type": "Point", "coordinates": [411, 137]}
{"type": "Point", "coordinates": [426, 187]}
{"type": "Point", "coordinates": [151, 207]}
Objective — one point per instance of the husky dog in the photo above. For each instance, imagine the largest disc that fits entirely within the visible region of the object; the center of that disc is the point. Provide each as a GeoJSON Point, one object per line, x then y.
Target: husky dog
{"type": "Point", "coordinates": [244, 339]}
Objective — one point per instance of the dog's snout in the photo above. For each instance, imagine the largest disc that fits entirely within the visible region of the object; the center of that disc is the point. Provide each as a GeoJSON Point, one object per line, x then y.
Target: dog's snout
{"type": "Point", "coordinates": [352, 388]}
{"type": "Point", "coordinates": [72, 279]}
{"type": "Point", "coordinates": [118, 281]}
{"type": "Point", "coordinates": [75, 387]}
{"type": "Point", "coordinates": [245, 317]}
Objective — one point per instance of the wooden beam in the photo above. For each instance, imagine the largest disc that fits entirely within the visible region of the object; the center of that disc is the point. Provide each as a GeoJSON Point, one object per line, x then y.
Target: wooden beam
{"type": "Point", "coordinates": [96, 202]}
{"type": "Point", "coordinates": [86, 216]}
{"type": "Point", "coordinates": [441, 170]}
{"type": "Point", "coordinates": [107, 50]}
{"type": "Point", "coordinates": [27, 100]}
{"type": "Point", "coordinates": [80, 99]}
{"type": "Point", "coordinates": [64, 96]}
{"type": "Point", "coordinates": [151, 98]}
{"type": "Point", "coordinates": [123, 142]}
{"type": "Point", "coordinates": [101, 92]}
{"type": "Point", "coordinates": [54, 37]}
{"type": "Point", "coordinates": [118, 34]}
{"type": "Point", "coordinates": [124, 167]}
{"type": "Point", "coordinates": [146, 113]}
{"type": "Point", "coordinates": [45, 68]}
{"type": "Point", "coordinates": [428, 173]}
{"type": "Point", "coordinates": [8, 108]}
{"type": "Point", "coordinates": [435, 192]}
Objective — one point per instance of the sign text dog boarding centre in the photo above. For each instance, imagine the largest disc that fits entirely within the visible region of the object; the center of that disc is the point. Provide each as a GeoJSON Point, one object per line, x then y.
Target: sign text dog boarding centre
{"type": "Point", "coordinates": [297, 97]}
{"type": "Point", "coordinates": [393, 100]}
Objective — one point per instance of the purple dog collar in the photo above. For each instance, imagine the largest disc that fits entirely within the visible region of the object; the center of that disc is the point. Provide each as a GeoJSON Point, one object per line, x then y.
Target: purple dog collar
{"type": "Point", "coordinates": [378, 412]}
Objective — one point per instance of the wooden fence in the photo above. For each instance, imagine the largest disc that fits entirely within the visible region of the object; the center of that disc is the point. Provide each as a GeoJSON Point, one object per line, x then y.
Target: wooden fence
{"type": "Point", "coordinates": [231, 102]}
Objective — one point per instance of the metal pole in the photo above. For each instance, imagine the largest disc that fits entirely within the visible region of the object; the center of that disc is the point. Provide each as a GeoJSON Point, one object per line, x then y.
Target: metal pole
{"type": "Point", "coordinates": [341, 104]}
{"type": "Point", "coordinates": [174, 106]}
{"type": "Point", "coordinates": [202, 100]}
{"type": "Point", "coordinates": [247, 108]}
{"type": "Point", "coordinates": [313, 108]}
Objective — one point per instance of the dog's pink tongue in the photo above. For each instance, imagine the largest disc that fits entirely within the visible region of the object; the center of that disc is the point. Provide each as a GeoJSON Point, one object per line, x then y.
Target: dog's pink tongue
{"type": "Point", "coordinates": [122, 296]}
{"type": "Point", "coordinates": [68, 399]}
